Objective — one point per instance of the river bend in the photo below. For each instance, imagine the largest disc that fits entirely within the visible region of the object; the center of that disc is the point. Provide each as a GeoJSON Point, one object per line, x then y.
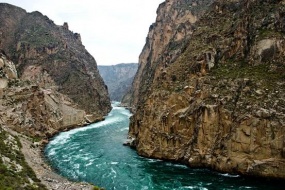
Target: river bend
{"type": "Point", "coordinates": [95, 154]}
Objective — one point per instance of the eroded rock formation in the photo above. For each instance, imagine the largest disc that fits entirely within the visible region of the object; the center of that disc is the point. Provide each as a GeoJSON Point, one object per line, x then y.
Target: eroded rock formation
{"type": "Point", "coordinates": [37, 114]}
{"type": "Point", "coordinates": [53, 86]}
{"type": "Point", "coordinates": [32, 110]}
{"type": "Point", "coordinates": [167, 37]}
{"type": "Point", "coordinates": [53, 57]}
{"type": "Point", "coordinates": [209, 91]}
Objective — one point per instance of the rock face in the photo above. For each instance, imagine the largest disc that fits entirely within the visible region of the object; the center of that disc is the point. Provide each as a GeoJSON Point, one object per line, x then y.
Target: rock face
{"type": "Point", "coordinates": [54, 86]}
{"type": "Point", "coordinates": [209, 91]}
{"type": "Point", "coordinates": [53, 57]}
{"type": "Point", "coordinates": [166, 39]}
{"type": "Point", "coordinates": [118, 78]}
{"type": "Point", "coordinates": [32, 110]}
{"type": "Point", "coordinates": [37, 113]}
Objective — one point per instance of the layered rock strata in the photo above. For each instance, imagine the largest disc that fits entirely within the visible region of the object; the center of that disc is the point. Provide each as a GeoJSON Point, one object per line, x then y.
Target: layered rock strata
{"type": "Point", "coordinates": [209, 91]}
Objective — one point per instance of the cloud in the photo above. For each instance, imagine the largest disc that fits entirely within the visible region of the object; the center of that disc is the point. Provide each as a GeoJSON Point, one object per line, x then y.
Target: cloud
{"type": "Point", "coordinates": [112, 31]}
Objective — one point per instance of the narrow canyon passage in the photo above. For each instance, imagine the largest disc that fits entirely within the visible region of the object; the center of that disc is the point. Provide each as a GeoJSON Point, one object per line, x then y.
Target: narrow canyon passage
{"type": "Point", "coordinates": [95, 154]}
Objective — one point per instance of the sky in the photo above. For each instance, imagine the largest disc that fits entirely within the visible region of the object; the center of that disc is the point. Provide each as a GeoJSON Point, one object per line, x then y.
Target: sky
{"type": "Point", "coordinates": [113, 31]}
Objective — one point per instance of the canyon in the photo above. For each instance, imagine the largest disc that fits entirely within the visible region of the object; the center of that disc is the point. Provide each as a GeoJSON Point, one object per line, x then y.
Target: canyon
{"type": "Point", "coordinates": [209, 91]}
{"type": "Point", "coordinates": [118, 78]}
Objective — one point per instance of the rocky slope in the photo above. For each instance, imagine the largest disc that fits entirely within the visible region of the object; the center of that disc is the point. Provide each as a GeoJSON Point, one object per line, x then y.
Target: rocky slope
{"type": "Point", "coordinates": [54, 86]}
{"type": "Point", "coordinates": [15, 172]}
{"type": "Point", "coordinates": [53, 57]}
{"type": "Point", "coordinates": [209, 91]}
{"type": "Point", "coordinates": [118, 78]}
{"type": "Point", "coordinates": [37, 114]}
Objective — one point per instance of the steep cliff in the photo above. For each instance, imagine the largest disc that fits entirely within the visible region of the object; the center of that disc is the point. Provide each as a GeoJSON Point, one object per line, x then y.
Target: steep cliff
{"type": "Point", "coordinates": [53, 57]}
{"type": "Point", "coordinates": [209, 91]}
{"type": "Point", "coordinates": [15, 172]}
{"type": "Point", "coordinates": [54, 85]}
{"type": "Point", "coordinates": [118, 78]}
{"type": "Point", "coordinates": [166, 39]}
{"type": "Point", "coordinates": [36, 114]}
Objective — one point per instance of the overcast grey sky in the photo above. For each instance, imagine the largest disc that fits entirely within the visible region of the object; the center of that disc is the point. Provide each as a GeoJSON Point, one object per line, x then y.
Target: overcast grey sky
{"type": "Point", "coordinates": [113, 31]}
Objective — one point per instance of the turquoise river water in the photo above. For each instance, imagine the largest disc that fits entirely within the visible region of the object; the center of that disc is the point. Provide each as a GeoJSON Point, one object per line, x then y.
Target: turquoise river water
{"type": "Point", "coordinates": [95, 154]}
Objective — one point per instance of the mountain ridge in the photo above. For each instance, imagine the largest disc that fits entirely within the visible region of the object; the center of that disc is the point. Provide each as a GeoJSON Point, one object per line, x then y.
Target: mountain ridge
{"type": "Point", "coordinates": [41, 50]}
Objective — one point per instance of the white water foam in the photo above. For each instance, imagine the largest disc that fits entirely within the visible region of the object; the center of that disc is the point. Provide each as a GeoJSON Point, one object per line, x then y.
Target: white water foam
{"type": "Point", "coordinates": [67, 159]}
{"type": "Point", "coordinates": [52, 152]}
{"type": "Point", "coordinates": [91, 161]}
{"type": "Point", "coordinates": [124, 129]}
{"type": "Point", "coordinates": [176, 165]}
{"type": "Point", "coordinates": [113, 172]}
{"type": "Point", "coordinates": [63, 137]}
{"type": "Point", "coordinates": [153, 160]}
{"type": "Point", "coordinates": [228, 175]}
{"type": "Point", "coordinates": [189, 187]}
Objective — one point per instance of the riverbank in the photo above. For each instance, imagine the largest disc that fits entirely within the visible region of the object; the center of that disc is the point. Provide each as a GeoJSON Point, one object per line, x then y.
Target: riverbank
{"type": "Point", "coordinates": [33, 153]}
{"type": "Point", "coordinates": [100, 158]}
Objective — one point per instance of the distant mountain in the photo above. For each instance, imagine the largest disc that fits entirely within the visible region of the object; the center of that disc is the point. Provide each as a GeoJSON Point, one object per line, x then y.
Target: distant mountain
{"type": "Point", "coordinates": [118, 78]}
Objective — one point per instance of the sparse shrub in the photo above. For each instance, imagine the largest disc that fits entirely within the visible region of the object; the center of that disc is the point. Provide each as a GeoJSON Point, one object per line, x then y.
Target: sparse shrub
{"type": "Point", "coordinates": [97, 188]}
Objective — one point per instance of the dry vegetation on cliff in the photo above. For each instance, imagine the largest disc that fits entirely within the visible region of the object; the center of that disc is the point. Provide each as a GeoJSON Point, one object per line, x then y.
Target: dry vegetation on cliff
{"type": "Point", "coordinates": [14, 171]}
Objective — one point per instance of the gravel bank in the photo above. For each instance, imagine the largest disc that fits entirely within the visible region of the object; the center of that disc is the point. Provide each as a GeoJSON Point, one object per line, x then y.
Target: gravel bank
{"type": "Point", "coordinates": [35, 158]}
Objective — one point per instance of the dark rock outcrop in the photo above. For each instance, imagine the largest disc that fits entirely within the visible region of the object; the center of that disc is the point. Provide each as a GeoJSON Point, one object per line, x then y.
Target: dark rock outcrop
{"type": "Point", "coordinates": [209, 91]}
{"type": "Point", "coordinates": [118, 78]}
{"type": "Point", "coordinates": [53, 57]}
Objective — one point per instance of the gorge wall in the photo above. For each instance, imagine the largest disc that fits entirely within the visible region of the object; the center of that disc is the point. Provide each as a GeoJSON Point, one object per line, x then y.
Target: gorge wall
{"type": "Point", "coordinates": [32, 110]}
{"type": "Point", "coordinates": [118, 78]}
{"type": "Point", "coordinates": [15, 172]}
{"type": "Point", "coordinates": [53, 57]}
{"type": "Point", "coordinates": [48, 83]}
{"type": "Point", "coordinates": [209, 91]}
{"type": "Point", "coordinates": [28, 116]}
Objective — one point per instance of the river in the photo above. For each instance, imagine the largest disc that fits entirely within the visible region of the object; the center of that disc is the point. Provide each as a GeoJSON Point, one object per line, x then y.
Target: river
{"type": "Point", "coordinates": [95, 154]}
